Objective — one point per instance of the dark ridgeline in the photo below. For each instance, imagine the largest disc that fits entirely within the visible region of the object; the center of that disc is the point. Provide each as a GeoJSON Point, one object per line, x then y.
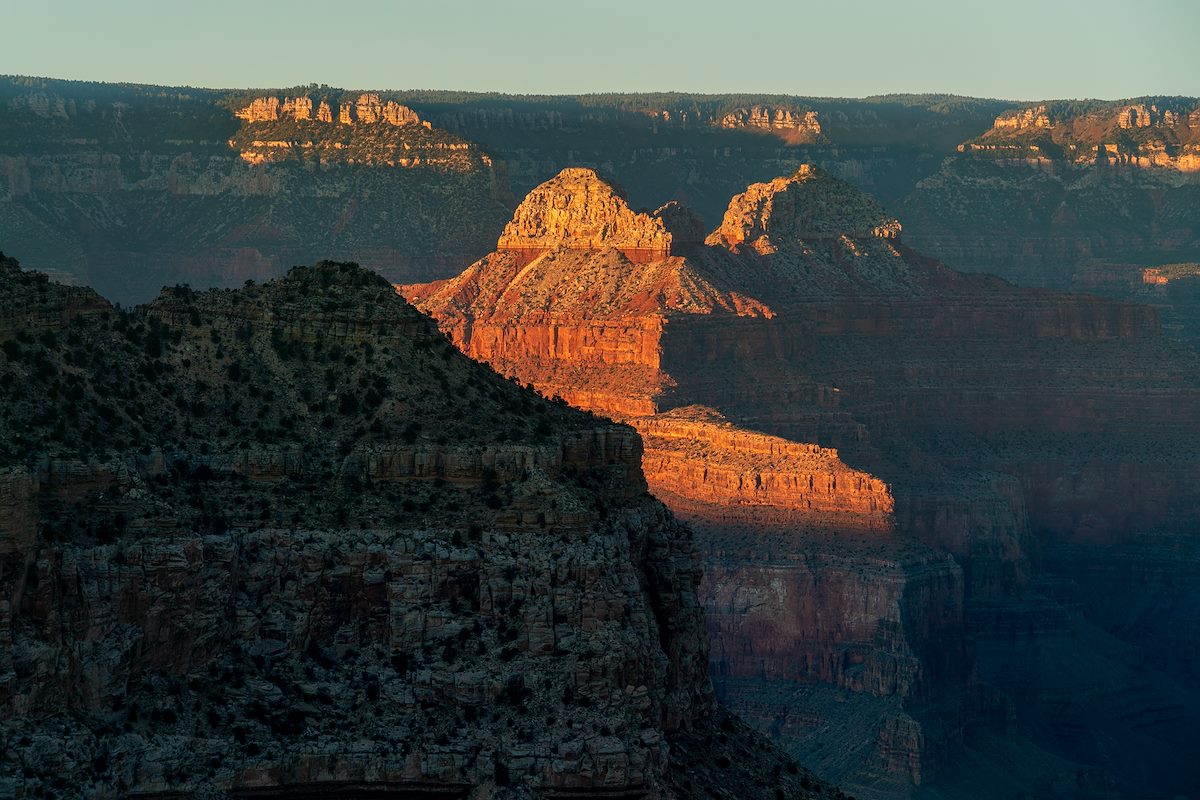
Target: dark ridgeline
{"type": "Point", "coordinates": [286, 541]}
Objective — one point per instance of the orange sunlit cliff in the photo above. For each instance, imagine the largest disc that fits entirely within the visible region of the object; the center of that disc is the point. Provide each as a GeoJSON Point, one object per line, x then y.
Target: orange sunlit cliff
{"type": "Point", "coordinates": [848, 425]}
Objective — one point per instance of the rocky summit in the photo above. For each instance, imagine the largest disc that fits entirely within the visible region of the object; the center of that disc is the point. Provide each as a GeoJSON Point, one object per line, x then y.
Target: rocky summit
{"type": "Point", "coordinates": [286, 541]}
{"type": "Point", "coordinates": [911, 486]}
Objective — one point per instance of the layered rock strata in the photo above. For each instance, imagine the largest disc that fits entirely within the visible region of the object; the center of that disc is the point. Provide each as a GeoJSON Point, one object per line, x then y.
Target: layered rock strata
{"type": "Point", "coordinates": [575, 210]}
{"type": "Point", "coordinates": [367, 109]}
{"type": "Point", "coordinates": [287, 542]}
{"type": "Point", "coordinates": [130, 189]}
{"type": "Point", "coordinates": [976, 425]}
{"type": "Point", "coordinates": [1052, 188]}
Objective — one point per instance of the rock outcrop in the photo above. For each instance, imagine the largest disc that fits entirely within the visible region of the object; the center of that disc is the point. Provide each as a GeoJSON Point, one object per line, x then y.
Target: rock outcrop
{"type": "Point", "coordinates": [694, 453]}
{"type": "Point", "coordinates": [1025, 119]}
{"type": "Point", "coordinates": [795, 126]}
{"type": "Point", "coordinates": [801, 206]}
{"type": "Point", "coordinates": [367, 109]}
{"type": "Point", "coordinates": [576, 210]}
{"type": "Point", "coordinates": [976, 425]}
{"type": "Point", "coordinates": [1051, 189]}
{"type": "Point", "coordinates": [287, 541]}
{"type": "Point", "coordinates": [133, 188]}
{"type": "Point", "coordinates": [369, 131]}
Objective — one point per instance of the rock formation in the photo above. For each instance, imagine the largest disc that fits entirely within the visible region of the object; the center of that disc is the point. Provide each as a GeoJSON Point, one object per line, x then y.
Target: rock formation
{"type": "Point", "coordinates": [286, 541]}
{"type": "Point", "coordinates": [370, 131]}
{"type": "Point", "coordinates": [975, 425]}
{"type": "Point", "coordinates": [789, 208]}
{"type": "Point", "coordinates": [1025, 119]}
{"type": "Point", "coordinates": [575, 210]}
{"type": "Point", "coordinates": [1037, 192]}
{"type": "Point", "coordinates": [1053, 188]}
{"type": "Point", "coordinates": [130, 189]}
{"type": "Point", "coordinates": [796, 127]}
{"type": "Point", "coordinates": [367, 109]}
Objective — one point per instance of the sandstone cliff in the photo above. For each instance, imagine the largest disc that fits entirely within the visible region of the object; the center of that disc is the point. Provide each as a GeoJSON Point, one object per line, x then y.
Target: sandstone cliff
{"type": "Point", "coordinates": [286, 541]}
{"type": "Point", "coordinates": [794, 208]}
{"type": "Point", "coordinates": [578, 211]}
{"type": "Point", "coordinates": [795, 127]}
{"type": "Point", "coordinates": [976, 425]}
{"type": "Point", "coordinates": [368, 131]}
{"type": "Point", "coordinates": [1138, 134]}
{"type": "Point", "coordinates": [367, 109]}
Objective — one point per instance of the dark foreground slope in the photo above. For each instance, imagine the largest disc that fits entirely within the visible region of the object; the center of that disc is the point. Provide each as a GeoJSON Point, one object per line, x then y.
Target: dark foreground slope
{"type": "Point", "coordinates": [287, 541]}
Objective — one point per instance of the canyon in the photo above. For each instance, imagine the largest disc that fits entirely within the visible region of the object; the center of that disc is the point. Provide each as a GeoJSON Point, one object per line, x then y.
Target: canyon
{"type": "Point", "coordinates": [906, 481]}
{"type": "Point", "coordinates": [129, 188]}
{"type": "Point", "coordinates": [409, 577]}
{"type": "Point", "coordinates": [945, 523]}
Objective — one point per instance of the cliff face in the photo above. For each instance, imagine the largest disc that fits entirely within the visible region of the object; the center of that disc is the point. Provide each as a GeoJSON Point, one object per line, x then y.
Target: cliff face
{"type": "Point", "coordinates": [694, 453]}
{"type": "Point", "coordinates": [701, 149]}
{"type": "Point", "coordinates": [794, 127]}
{"type": "Point", "coordinates": [1051, 188]}
{"type": "Point", "coordinates": [128, 190]}
{"type": "Point", "coordinates": [976, 426]}
{"type": "Point", "coordinates": [286, 541]}
{"type": "Point", "coordinates": [1136, 134]}
{"type": "Point", "coordinates": [367, 109]}
{"type": "Point", "coordinates": [784, 209]}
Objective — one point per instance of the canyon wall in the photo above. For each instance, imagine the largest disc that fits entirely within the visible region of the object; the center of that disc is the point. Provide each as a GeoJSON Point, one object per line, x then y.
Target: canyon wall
{"type": "Point", "coordinates": [127, 189]}
{"type": "Point", "coordinates": [450, 587]}
{"type": "Point", "coordinates": [878, 454]}
{"type": "Point", "coordinates": [1050, 189]}
{"type": "Point", "coordinates": [1032, 192]}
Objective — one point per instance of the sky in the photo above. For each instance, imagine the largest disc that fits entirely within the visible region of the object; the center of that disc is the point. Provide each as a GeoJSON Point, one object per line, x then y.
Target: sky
{"type": "Point", "coordinates": [1013, 49]}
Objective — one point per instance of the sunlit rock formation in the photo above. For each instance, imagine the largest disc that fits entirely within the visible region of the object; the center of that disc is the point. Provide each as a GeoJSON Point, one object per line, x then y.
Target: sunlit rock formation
{"type": "Point", "coordinates": [1053, 192]}
{"type": "Point", "coordinates": [859, 433]}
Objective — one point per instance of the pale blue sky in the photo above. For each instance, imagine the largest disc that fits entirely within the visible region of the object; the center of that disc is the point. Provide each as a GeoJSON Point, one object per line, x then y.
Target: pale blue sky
{"type": "Point", "coordinates": [1020, 49]}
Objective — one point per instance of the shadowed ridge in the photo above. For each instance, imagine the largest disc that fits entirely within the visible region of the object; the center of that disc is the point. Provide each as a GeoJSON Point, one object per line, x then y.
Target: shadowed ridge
{"type": "Point", "coordinates": [286, 541]}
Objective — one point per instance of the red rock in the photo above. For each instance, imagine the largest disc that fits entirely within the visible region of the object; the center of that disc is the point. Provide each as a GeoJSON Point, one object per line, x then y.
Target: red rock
{"type": "Point", "coordinates": [976, 422]}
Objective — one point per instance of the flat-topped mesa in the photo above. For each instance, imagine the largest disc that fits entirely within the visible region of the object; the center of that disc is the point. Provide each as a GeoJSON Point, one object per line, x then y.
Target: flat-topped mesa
{"type": "Point", "coordinates": [579, 210]}
{"type": "Point", "coordinates": [369, 108]}
{"type": "Point", "coordinates": [810, 204]}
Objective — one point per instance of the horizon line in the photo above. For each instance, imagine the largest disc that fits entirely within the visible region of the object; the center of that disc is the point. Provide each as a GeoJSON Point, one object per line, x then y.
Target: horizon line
{"type": "Point", "coordinates": [588, 93]}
